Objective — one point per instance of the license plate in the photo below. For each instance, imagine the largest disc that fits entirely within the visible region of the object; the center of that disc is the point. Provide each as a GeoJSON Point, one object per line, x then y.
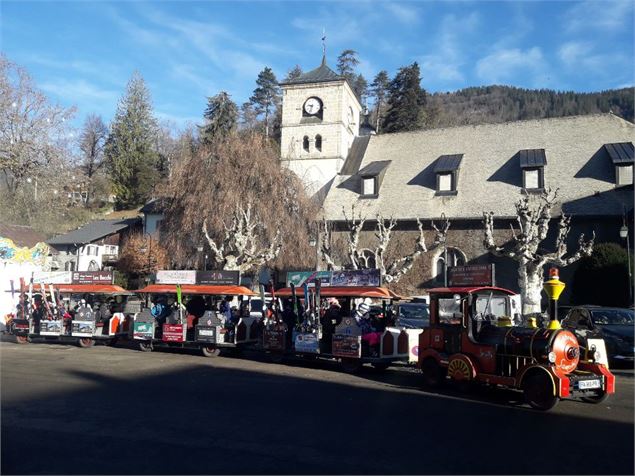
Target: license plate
{"type": "Point", "coordinates": [585, 384]}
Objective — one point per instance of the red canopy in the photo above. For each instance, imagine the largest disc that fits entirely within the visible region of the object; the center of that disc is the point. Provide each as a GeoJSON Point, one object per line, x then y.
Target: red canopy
{"type": "Point", "coordinates": [88, 288]}
{"type": "Point", "coordinates": [198, 289]}
{"type": "Point", "coordinates": [346, 291]}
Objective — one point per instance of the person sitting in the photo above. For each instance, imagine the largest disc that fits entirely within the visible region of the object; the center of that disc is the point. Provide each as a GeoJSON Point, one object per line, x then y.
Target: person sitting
{"type": "Point", "coordinates": [160, 311]}
{"type": "Point", "coordinates": [369, 335]}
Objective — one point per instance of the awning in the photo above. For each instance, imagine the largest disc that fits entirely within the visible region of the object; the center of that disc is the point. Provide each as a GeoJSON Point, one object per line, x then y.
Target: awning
{"type": "Point", "coordinates": [87, 288]}
{"type": "Point", "coordinates": [198, 289]}
{"type": "Point", "coordinates": [344, 291]}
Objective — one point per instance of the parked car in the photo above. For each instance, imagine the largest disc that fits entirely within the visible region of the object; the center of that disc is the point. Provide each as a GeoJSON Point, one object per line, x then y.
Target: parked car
{"type": "Point", "coordinates": [615, 325]}
{"type": "Point", "coordinates": [413, 315]}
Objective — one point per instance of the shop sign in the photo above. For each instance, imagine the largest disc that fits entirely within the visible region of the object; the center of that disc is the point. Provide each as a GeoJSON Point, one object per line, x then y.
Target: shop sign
{"type": "Point", "coordinates": [92, 277]}
{"type": "Point", "coordinates": [83, 328]}
{"type": "Point", "coordinates": [273, 339]}
{"type": "Point", "coordinates": [307, 342]}
{"type": "Point", "coordinates": [347, 346]}
{"type": "Point", "coordinates": [52, 277]}
{"type": "Point", "coordinates": [143, 330]}
{"type": "Point", "coordinates": [298, 278]}
{"type": "Point", "coordinates": [51, 328]}
{"type": "Point", "coordinates": [471, 275]}
{"type": "Point", "coordinates": [173, 333]}
{"type": "Point", "coordinates": [218, 278]}
{"type": "Point", "coordinates": [358, 277]}
{"type": "Point", "coordinates": [206, 334]}
{"type": "Point", "coordinates": [176, 276]}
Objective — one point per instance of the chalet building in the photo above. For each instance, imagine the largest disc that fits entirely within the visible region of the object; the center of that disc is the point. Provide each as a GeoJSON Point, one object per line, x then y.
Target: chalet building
{"type": "Point", "coordinates": [92, 247]}
{"type": "Point", "coordinates": [458, 172]}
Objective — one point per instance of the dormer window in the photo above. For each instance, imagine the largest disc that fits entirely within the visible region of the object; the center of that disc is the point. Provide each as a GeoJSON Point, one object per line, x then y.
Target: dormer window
{"type": "Point", "coordinates": [532, 163]}
{"type": "Point", "coordinates": [371, 177]}
{"type": "Point", "coordinates": [447, 172]}
{"type": "Point", "coordinates": [621, 155]}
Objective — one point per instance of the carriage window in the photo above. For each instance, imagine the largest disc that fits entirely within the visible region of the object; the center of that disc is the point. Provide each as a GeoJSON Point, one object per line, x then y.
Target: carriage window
{"type": "Point", "coordinates": [450, 311]}
{"type": "Point", "coordinates": [495, 306]}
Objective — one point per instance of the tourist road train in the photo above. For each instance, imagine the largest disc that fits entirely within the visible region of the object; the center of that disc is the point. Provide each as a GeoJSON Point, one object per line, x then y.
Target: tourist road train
{"type": "Point", "coordinates": [469, 339]}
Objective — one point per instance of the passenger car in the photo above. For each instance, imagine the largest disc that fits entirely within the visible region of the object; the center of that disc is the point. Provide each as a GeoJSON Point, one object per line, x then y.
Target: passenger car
{"type": "Point", "coordinates": [615, 325]}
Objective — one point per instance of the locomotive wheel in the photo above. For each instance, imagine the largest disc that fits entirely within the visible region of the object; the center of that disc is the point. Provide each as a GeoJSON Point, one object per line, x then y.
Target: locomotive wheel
{"type": "Point", "coordinates": [210, 351]}
{"type": "Point", "coordinates": [86, 342]}
{"type": "Point", "coordinates": [276, 357]}
{"type": "Point", "coordinates": [538, 391]}
{"type": "Point", "coordinates": [433, 374]}
{"type": "Point", "coordinates": [22, 339]}
{"type": "Point", "coordinates": [145, 346]}
{"type": "Point", "coordinates": [351, 366]}
{"type": "Point", "coordinates": [597, 397]}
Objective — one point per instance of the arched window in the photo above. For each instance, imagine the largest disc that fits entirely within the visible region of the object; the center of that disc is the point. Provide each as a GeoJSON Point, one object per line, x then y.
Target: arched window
{"type": "Point", "coordinates": [318, 142]}
{"type": "Point", "coordinates": [305, 143]}
{"type": "Point", "coordinates": [455, 258]}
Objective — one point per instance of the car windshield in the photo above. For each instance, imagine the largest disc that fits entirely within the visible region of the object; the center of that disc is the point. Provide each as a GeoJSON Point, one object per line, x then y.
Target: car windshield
{"type": "Point", "coordinates": [491, 305]}
{"type": "Point", "coordinates": [612, 317]}
{"type": "Point", "coordinates": [414, 311]}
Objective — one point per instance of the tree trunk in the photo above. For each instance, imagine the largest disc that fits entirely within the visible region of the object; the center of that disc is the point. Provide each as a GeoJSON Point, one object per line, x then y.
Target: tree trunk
{"type": "Point", "coordinates": [530, 283]}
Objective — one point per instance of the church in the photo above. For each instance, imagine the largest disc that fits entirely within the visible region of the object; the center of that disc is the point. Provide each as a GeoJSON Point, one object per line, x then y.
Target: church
{"type": "Point", "coordinates": [455, 172]}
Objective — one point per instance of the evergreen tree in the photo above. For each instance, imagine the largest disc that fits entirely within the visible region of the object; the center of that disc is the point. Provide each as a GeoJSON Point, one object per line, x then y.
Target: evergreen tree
{"type": "Point", "coordinates": [360, 87]}
{"type": "Point", "coordinates": [346, 63]}
{"type": "Point", "coordinates": [294, 73]}
{"type": "Point", "coordinates": [266, 96]}
{"type": "Point", "coordinates": [129, 150]}
{"type": "Point", "coordinates": [406, 101]}
{"type": "Point", "coordinates": [221, 117]}
{"type": "Point", "coordinates": [379, 91]}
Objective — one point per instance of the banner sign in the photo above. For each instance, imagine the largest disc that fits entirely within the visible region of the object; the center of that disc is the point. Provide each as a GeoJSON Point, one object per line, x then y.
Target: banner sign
{"type": "Point", "coordinates": [51, 277]}
{"type": "Point", "coordinates": [273, 339]}
{"type": "Point", "coordinates": [298, 278]}
{"type": "Point", "coordinates": [176, 276]}
{"type": "Point", "coordinates": [206, 334]}
{"type": "Point", "coordinates": [143, 330]}
{"type": "Point", "coordinates": [83, 328]}
{"type": "Point", "coordinates": [308, 343]}
{"type": "Point", "coordinates": [471, 275]}
{"type": "Point", "coordinates": [20, 327]}
{"type": "Point", "coordinates": [218, 278]}
{"type": "Point", "coordinates": [359, 277]}
{"type": "Point", "coordinates": [51, 328]}
{"type": "Point", "coordinates": [93, 277]}
{"type": "Point", "coordinates": [347, 346]}
{"type": "Point", "coordinates": [173, 333]}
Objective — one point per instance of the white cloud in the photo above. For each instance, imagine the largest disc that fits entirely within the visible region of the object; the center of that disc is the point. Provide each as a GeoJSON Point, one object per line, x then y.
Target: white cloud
{"type": "Point", "coordinates": [509, 64]}
{"type": "Point", "coordinates": [606, 16]}
{"type": "Point", "coordinates": [580, 56]}
{"type": "Point", "coordinates": [405, 14]}
{"type": "Point", "coordinates": [570, 53]}
{"type": "Point", "coordinates": [80, 90]}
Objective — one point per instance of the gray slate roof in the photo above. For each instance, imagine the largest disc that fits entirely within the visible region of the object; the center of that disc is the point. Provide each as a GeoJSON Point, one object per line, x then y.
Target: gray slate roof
{"type": "Point", "coordinates": [93, 231]}
{"type": "Point", "coordinates": [621, 153]}
{"type": "Point", "coordinates": [320, 74]}
{"type": "Point", "coordinates": [490, 176]}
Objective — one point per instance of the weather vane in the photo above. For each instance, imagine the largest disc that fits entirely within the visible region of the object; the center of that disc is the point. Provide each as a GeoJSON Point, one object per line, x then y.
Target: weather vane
{"type": "Point", "coordinates": [323, 42]}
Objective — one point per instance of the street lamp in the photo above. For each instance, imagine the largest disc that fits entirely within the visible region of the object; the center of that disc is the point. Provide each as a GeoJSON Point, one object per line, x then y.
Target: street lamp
{"type": "Point", "coordinates": [624, 236]}
{"type": "Point", "coordinates": [199, 248]}
{"type": "Point", "coordinates": [445, 256]}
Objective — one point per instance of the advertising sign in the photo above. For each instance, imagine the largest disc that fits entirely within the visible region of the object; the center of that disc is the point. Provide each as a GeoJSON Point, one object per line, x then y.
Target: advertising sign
{"type": "Point", "coordinates": [273, 339]}
{"type": "Point", "coordinates": [92, 277]}
{"type": "Point", "coordinates": [51, 328]}
{"type": "Point", "coordinates": [143, 330]}
{"type": "Point", "coordinates": [206, 334]}
{"type": "Point", "coordinates": [176, 276]}
{"type": "Point", "coordinates": [347, 346]}
{"type": "Point", "coordinates": [298, 278]}
{"type": "Point", "coordinates": [52, 277]}
{"type": "Point", "coordinates": [359, 277]}
{"type": "Point", "coordinates": [308, 343]}
{"type": "Point", "coordinates": [218, 278]}
{"type": "Point", "coordinates": [20, 327]}
{"type": "Point", "coordinates": [471, 275]}
{"type": "Point", "coordinates": [83, 328]}
{"type": "Point", "coordinates": [173, 333]}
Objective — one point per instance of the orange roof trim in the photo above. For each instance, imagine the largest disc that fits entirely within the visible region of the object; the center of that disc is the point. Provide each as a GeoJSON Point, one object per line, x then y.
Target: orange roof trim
{"type": "Point", "coordinates": [198, 289]}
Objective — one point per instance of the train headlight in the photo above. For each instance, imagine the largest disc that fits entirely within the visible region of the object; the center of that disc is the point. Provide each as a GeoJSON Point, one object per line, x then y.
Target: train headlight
{"type": "Point", "coordinates": [552, 357]}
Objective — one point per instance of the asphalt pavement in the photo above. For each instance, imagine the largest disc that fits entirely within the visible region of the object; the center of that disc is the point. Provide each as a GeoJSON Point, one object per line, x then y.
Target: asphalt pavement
{"type": "Point", "coordinates": [106, 410]}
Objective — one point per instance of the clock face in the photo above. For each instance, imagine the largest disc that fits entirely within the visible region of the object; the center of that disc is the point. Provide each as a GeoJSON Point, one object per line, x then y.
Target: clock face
{"type": "Point", "coordinates": [312, 106]}
{"type": "Point", "coordinates": [351, 116]}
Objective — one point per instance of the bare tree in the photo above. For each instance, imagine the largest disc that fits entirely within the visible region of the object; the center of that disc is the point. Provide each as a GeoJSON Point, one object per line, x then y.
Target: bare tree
{"type": "Point", "coordinates": [142, 255]}
{"type": "Point", "coordinates": [533, 218]}
{"type": "Point", "coordinates": [376, 257]}
{"type": "Point", "coordinates": [91, 143]}
{"type": "Point", "coordinates": [240, 249]}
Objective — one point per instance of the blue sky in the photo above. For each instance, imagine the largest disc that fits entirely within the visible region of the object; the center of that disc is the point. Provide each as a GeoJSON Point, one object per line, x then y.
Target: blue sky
{"type": "Point", "coordinates": [83, 53]}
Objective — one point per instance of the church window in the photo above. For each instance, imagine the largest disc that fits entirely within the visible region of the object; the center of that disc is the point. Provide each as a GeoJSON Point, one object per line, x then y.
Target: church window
{"type": "Point", "coordinates": [305, 143]}
{"type": "Point", "coordinates": [455, 257]}
{"type": "Point", "coordinates": [318, 142]}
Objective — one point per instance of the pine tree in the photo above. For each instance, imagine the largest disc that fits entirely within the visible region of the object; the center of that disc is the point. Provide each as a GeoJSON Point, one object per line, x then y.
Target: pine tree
{"type": "Point", "coordinates": [346, 63]}
{"type": "Point", "coordinates": [379, 91]}
{"type": "Point", "coordinates": [129, 150]}
{"type": "Point", "coordinates": [406, 101]}
{"type": "Point", "coordinates": [266, 96]}
{"type": "Point", "coordinates": [294, 73]}
{"type": "Point", "coordinates": [360, 87]}
{"type": "Point", "coordinates": [221, 118]}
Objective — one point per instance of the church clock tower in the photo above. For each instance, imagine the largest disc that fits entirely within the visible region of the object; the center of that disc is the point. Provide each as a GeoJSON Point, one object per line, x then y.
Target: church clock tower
{"type": "Point", "coordinates": [320, 119]}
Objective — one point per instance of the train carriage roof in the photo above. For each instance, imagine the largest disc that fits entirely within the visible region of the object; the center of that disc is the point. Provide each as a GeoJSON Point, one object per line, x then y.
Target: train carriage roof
{"type": "Point", "coordinates": [206, 289]}
{"type": "Point", "coordinates": [346, 291]}
{"type": "Point", "coordinates": [469, 290]}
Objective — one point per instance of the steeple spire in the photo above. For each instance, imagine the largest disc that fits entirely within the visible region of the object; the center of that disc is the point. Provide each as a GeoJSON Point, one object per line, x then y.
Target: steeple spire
{"type": "Point", "coordinates": [323, 47]}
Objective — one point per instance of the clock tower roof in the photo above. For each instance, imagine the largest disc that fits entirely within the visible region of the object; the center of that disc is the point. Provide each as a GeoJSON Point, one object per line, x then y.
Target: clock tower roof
{"type": "Point", "coordinates": [320, 74]}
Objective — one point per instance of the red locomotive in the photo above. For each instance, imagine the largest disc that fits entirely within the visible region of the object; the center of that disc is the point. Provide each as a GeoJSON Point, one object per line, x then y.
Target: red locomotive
{"type": "Point", "coordinates": [470, 339]}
